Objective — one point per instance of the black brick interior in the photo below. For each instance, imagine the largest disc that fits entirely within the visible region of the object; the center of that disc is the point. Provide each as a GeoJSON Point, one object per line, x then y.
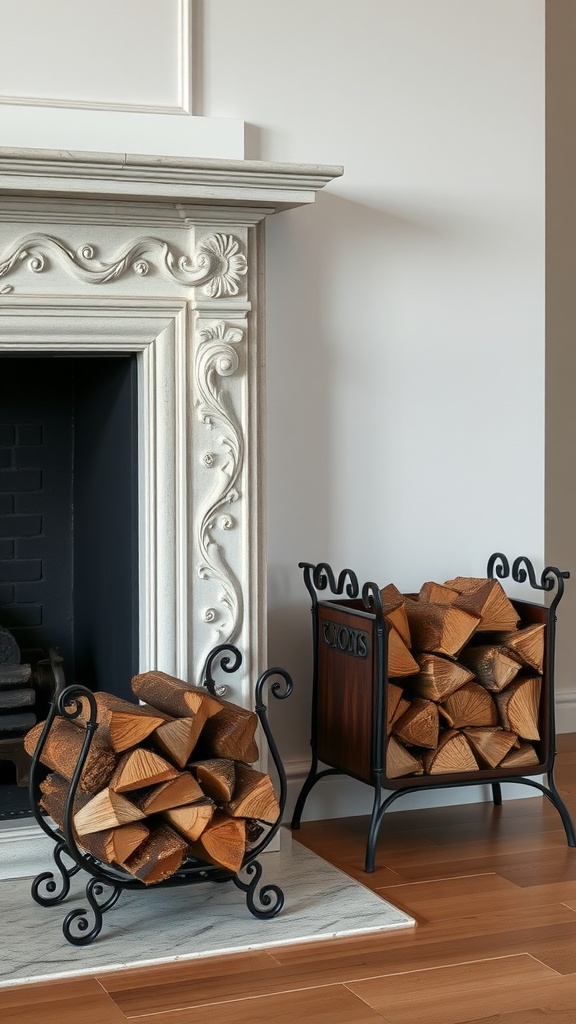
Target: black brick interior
{"type": "Point", "coordinates": [68, 514]}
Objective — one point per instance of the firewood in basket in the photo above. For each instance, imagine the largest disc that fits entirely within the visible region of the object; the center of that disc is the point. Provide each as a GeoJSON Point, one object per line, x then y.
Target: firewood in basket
{"type": "Point", "coordinates": [523, 757]}
{"type": "Point", "coordinates": [254, 796]}
{"type": "Point", "coordinates": [158, 857]}
{"type": "Point", "coordinates": [177, 737]}
{"type": "Point", "coordinates": [172, 695]}
{"type": "Point", "coordinates": [217, 777]}
{"type": "Point", "coordinates": [486, 598]}
{"type": "Point", "coordinates": [527, 645]}
{"type": "Point", "coordinates": [470, 705]}
{"type": "Point", "coordinates": [394, 695]}
{"type": "Point", "coordinates": [437, 593]}
{"type": "Point", "coordinates": [493, 666]}
{"type": "Point", "coordinates": [490, 744]}
{"type": "Point", "coordinates": [112, 846]}
{"type": "Point", "coordinates": [395, 611]}
{"type": "Point", "coordinates": [223, 842]}
{"type": "Point", "coordinates": [439, 676]}
{"type": "Point", "coordinates": [182, 789]}
{"type": "Point", "coordinates": [62, 751]}
{"type": "Point", "coordinates": [453, 754]}
{"type": "Point", "coordinates": [439, 629]}
{"type": "Point", "coordinates": [419, 725]}
{"type": "Point", "coordinates": [400, 761]}
{"type": "Point", "coordinates": [191, 820]}
{"type": "Point", "coordinates": [121, 724]}
{"type": "Point", "coordinates": [139, 768]}
{"type": "Point", "coordinates": [105, 810]}
{"type": "Point", "coordinates": [230, 734]}
{"type": "Point", "coordinates": [519, 706]}
{"type": "Point", "coordinates": [400, 659]}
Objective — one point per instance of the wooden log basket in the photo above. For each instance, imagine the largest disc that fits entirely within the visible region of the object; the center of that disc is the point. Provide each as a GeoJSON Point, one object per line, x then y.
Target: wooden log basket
{"type": "Point", "coordinates": [453, 685]}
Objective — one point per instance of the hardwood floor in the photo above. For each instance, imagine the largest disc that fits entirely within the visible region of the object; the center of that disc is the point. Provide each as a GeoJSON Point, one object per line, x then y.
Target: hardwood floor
{"type": "Point", "coordinates": [494, 894]}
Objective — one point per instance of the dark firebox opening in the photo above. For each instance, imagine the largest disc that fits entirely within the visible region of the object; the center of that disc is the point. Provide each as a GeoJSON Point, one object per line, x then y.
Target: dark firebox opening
{"type": "Point", "coordinates": [68, 517]}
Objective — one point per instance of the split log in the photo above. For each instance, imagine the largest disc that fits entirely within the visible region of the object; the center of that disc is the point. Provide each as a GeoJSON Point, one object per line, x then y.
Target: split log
{"type": "Point", "coordinates": [487, 599]}
{"type": "Point", "coordinates": [439, 629]}
{"type": "Point", "coordinates": [121, 724]}
{"type": "Point", "coordinates": [139, 768]}
{"type": "Point", "coordinates": [158, 857]}
{"type": "Point", "coordinates": [436, 593]}
{"type": "Point", "coordinates": [254, 796]}
{"type": "Point", "coordinates": [178, 737]}
{"type": "Point", "coordinates": [527, 646]}
{"type": "Point", "coordinates": [182, 789]}
{"type": "Point", "coordinates": [217, 777]}
{"type": "Point", "coordinates": [419, 725]}
{"type": "Point", "coordinates": [112, 846]}
{"type": "Point", "coordinates": [230, 733]}
{"type": "Point", "coordinates": [223, 842]}
{"type": "Point", "coordinates": [14, 675]}
{"type": "Point", "coordinates": [13, 698]}
{"type": "Point", "coordinates": [492, 666]}
{"type": "Point", "coordinates": [394, 695]}
{"type": "Point", "coordinates": [523, 757]}
{"type": "Point", "coordinates": [470, 705]}
{"type": "Point", "coordinates": [62, 751]}
{"type": "Point", "coordinates": [439, 677]}
{"type": "Point", "coordinates": [172, 695]}
{"type": "Point", "coordinates": [519, 707]}
{"type": "Point", "coordinates": [453, 754]}
{"type": "Point", "coordinates": [491, 745]}
{"type": "Point", "coordinates": [393, 606]}
{"type": "Point", "coordinates": [105, 810]}
{"type": "Point", "coordinates": [400, 660]}
{"type": "Point", "coordinates": [190, 821]}
{"type": "Point", "coordinates": [400, 761]}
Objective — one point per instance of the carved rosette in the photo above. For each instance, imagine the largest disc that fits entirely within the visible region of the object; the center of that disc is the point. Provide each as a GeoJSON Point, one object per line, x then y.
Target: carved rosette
{"type": "Point", "coordinates": [217, 265]}
{"type": "Point", "coordinates": [217, 358]}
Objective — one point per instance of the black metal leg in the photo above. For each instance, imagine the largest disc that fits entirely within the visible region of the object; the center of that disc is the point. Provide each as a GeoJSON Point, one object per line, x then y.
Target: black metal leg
{"type": "Point", "coordinates": [75, 925]}
{"type": "Point", "coordinates": [555, 798]}
{"type": "Point", "coordinates": [55, 892]}
{"type": "Point", "coordinates": [497, 794]}
{"type": "Point", "coordinates": [270, 897]}
{"type": "Point", "coordinates": [312, 778]}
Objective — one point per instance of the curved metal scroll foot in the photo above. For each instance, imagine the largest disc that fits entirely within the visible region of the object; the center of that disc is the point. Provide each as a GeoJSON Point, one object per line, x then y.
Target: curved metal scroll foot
{"type": "Point", "coordinates": [54, 892]}
{"type": "Point", "coordinates": [270, 897]}
{"type": "Point", "coordinates": [76, 923]}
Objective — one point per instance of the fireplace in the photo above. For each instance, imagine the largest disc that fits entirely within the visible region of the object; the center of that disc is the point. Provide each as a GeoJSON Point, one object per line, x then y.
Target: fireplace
{"type": "Point", "coordinates": [146, 275]}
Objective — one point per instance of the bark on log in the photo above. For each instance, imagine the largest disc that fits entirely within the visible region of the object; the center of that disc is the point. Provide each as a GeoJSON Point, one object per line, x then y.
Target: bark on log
{"type": "Point", "coordinates": [527, 646]}
{"type": "Point", "coordinates": [486, 598]}
{"type": "Point", "coordinates": [121, 725]}
{"type": "Point", "coordinates": [158, 857]}
{"type": "Point", "coordinates": [182, 789]}
{"type": "Point", "coordinates": [254, 796]}
{"type": "Point", "coordinates": [62, 751]}
{"type": "Point", "coordinates": [217, 777]}
{"type": "Point", "coordinates": [393, 606]}
{"type": "Point", "coordinates": [172, 695]}
{"type": "Point", "coordinates": [493, 666]}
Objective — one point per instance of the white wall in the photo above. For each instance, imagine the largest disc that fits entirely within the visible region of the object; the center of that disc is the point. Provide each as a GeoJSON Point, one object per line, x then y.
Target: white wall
{"type": "Point", "coordinates": [406, 310]}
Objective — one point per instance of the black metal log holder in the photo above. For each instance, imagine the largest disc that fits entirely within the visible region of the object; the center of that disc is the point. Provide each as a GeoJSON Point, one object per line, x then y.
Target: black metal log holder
{"type": "Point", "coordinates": [355, 627]}
{"type": "Point", "coordinates": [106, 882]}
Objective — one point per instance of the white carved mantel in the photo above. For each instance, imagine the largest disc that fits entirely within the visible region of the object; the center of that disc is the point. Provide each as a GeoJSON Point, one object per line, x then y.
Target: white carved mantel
{"type": "Point", "coordinates": [163, 257]}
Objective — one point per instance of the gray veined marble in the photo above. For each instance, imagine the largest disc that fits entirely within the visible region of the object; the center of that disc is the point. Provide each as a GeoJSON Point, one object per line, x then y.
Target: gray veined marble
{"type": "Point", "coordinates": [194, 921]}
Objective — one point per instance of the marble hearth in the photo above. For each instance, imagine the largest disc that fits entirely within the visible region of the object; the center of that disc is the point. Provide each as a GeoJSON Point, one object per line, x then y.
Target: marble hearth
{"type": "Point", "coordinates": [162, 259]}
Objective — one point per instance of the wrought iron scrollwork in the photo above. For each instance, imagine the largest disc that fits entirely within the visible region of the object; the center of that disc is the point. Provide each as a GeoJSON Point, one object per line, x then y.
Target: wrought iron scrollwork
{"type": "Point", "coordinates": [523, 569]}
{"type": "Point", "coordinates": [45, 889]}
{"type": "Point", "coordinates": [76, 924]}
{"type": "Point", "coordinates": [321, 577]}
{"type": "Point", "coordinates": [270, 897]}
{"type": "Point", "coordinates": [228, 659]}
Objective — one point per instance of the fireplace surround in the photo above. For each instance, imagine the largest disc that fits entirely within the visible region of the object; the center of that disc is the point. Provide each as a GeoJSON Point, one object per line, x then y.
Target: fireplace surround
{"type": "Point", "coordinates": [162, 260]}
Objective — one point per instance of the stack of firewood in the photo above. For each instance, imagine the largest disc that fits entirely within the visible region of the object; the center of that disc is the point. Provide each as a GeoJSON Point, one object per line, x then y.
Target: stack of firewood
{"type": "Point", "coordinates": [471, 680]}
{"type": "Point", "coordinates": [164, 780]}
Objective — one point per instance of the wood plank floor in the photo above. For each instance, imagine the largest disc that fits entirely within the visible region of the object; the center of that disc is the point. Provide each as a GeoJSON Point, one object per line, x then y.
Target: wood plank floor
{"type": "Point", "coordinates": [494, 894]}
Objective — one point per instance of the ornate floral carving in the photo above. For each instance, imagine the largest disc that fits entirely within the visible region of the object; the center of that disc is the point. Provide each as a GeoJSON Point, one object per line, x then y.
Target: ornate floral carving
{"type": "Point", "coordinates": [217, 266]}
{"type": "Point", "coordinates": [218, 357]}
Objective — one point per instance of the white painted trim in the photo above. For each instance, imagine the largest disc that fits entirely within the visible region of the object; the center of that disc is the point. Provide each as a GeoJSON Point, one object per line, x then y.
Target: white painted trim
{"type": "Point", "coordinates": [565, 712]}
{"type": "Point", "coordinates": [183, 108]}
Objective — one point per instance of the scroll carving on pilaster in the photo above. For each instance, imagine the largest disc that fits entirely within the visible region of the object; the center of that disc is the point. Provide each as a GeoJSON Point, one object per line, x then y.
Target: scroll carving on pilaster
{"type": "Point", "coordinates": [217, 358]}
{"type": "Point", "coordinates": [217, 265]}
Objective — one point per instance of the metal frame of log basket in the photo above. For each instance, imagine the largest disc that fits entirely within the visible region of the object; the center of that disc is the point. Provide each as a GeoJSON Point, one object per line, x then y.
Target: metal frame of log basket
{"type": "Point", "coordinates": [106, 882]}
{"type": "Point", "coordinates": [349, 694]}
